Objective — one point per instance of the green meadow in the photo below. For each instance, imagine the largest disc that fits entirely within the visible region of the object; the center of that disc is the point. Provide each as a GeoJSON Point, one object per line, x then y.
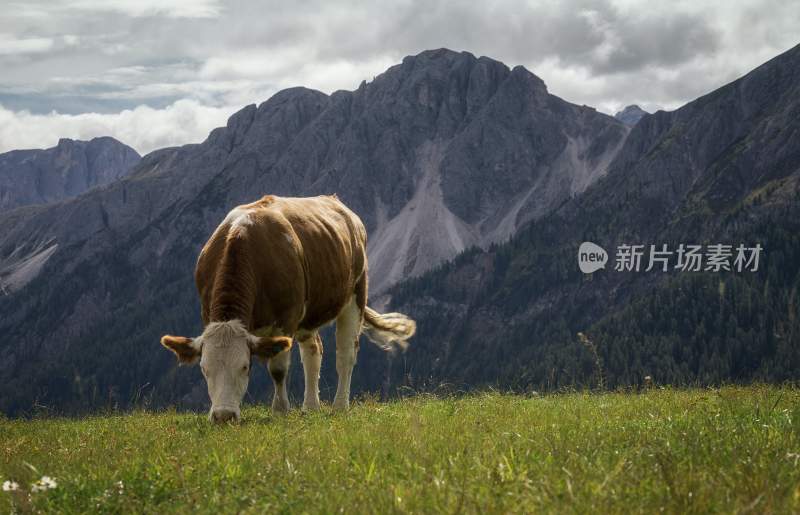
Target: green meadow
{"type": "Point", "coordinates": [733, 449]}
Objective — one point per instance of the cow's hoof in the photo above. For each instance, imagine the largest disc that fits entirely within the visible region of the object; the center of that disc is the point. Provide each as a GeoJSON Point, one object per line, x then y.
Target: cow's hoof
{"type": "Point", "coordinates": [280, 408]}
{"type": "Point", "coordinates": [341, 405]}
{"type": "Point", "coordinates": [311, 406]}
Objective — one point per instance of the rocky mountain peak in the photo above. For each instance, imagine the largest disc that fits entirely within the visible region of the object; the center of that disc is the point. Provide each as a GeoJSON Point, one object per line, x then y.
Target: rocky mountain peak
{"type": "Point", "coordinates": [66, 170]}
{"type": "Point", "coordinates": [65, 143]}
{"type": "Point", "coordinates": [631, 115]}
{"type": "Point", "coordinates": [476, 75]}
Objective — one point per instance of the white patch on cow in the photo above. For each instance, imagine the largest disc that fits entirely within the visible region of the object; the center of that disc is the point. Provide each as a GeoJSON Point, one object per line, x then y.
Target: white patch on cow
{"type": "Point", "coordinates": [225, 363]}
{"type": "Point", "coordinates": [242, 221]}
{"type": "Point", "coordinates": [348, 327]}
{"type": "Point", "coordinates": [311, 356]}
{"type": "Point", "coordinates": [288, 238]}
{"type": "Point", "coordinates": [239, 217]}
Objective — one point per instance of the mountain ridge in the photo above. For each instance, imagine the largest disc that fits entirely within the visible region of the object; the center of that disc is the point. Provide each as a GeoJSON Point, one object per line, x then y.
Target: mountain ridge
{"type": "Point", "coordinates": [41, 176]}
{"type": "Point", "coordinates": [724, 168]}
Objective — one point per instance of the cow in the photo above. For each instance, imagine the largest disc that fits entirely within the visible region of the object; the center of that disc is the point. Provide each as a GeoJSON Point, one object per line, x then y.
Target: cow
{"type": "Point", "coordinates": [273, 272]}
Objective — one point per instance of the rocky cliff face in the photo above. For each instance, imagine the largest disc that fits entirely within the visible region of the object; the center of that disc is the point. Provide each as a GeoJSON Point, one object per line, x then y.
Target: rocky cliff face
{"type": "Point", "coordinates": [725, 169]}
{"type": "Point", "coordinates": [66, 170]}
{"type": "Point", "coordinates": [443, 152]}
{"type": "Point", "coordinates": [439, 153]}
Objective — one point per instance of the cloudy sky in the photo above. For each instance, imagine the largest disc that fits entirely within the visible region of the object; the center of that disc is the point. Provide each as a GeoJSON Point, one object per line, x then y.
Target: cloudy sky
{"type": "Point", "coordinates": [154, 73]}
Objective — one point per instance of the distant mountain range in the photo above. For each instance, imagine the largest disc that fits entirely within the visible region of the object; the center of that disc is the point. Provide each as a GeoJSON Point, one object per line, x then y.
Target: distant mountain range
{"type": "Point", "coordinates": [441, 154]}
{"type": "Point", "coordinates": [64, 171]}
{"type": "Point", "coordinates": [631, 115]}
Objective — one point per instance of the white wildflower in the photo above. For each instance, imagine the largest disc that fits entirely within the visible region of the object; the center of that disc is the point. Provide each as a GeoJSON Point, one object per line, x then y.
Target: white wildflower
{"type": "Point", "coordinates": [10, 486]}
{"type": "Point", "coordinates": [46, 483]}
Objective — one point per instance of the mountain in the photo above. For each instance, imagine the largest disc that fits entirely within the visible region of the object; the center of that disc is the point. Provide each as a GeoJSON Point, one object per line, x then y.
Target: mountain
{"type": "Point", "coordinates": [440, 153]}
{"type": "Point", "coordinates": [631, 115]}
{"type": "Point", "coordinates": [66, 170]}
{"type": "Point", "coordinates": [723, 169]}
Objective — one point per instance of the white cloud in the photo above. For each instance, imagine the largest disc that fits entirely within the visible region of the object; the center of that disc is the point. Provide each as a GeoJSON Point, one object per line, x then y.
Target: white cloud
{"type": "Point", "coordinates": [288, 68]}
{"type": "Point", "coordinates": [330, 76]}
{"type": "Point", "coordinates": [71, 39]}
{"type": "Point", "coordinates": [138, 8]}
{"type": "Point", "coordinates": [143, 128]}
{"type": "Point", "coordinates": [10, 45]}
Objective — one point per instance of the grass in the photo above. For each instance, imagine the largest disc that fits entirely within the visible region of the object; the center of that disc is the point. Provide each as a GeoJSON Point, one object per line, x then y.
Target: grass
{"type": "Point", "coordinates": [734, 449]}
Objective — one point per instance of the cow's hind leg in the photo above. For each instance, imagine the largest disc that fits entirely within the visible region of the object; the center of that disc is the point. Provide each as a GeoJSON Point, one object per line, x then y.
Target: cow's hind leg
{"type": "Point", "coordinates": [279, 370]}
{"type": "Point", "coordinates": [311, 356]}
{"type": "Point", "coordinates": [348, 327]}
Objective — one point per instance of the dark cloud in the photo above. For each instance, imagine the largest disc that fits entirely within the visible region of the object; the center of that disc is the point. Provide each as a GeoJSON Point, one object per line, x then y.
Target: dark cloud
{"type": "Point", "coordinates": [98, 56]}
{"type": "Point", "coordinates": [657, 42]}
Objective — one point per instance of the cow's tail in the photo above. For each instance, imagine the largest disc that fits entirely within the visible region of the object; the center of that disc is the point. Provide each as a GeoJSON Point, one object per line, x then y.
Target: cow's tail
{"type": "Point", "coordinates": [388, 331]}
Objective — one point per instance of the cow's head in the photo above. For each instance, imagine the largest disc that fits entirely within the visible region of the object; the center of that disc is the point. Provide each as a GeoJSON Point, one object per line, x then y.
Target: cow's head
{"type": "Point", "coordinates": [225, 351]}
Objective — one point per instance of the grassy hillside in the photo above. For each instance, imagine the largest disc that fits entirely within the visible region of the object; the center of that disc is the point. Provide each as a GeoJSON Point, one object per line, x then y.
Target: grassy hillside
{"type": "Point", "coordinates": [732, 449]}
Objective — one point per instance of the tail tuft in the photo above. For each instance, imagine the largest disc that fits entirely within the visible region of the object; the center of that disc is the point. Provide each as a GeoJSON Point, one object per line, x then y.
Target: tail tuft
{"type": "Point", "coordinates": [388, 331]}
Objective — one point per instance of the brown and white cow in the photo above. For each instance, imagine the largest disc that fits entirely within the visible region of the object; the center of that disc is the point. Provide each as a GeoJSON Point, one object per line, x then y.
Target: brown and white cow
{"type": "Point", "coordinates": [277, 270]}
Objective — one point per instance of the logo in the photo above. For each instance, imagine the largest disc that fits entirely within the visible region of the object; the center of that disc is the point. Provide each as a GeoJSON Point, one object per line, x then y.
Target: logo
{"type": "Point", "coordinates": [591, 257]}
{"type": "Point", "coordinates": [716, 257]}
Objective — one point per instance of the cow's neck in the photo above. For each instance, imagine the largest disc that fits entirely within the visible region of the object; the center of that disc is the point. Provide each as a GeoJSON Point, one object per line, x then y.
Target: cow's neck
{"type": "Point", "coordinates": [234, 285]}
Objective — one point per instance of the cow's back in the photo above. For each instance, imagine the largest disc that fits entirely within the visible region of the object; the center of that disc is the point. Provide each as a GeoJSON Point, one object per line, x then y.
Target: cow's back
{"type": "Point", "coordinates": [332, 241]}
{"type": "Point", "coordinates": [306, 256]}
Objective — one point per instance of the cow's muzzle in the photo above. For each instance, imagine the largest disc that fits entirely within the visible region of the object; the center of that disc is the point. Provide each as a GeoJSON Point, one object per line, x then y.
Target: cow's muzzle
{"type": "Point", "coordinates": [220, 415]}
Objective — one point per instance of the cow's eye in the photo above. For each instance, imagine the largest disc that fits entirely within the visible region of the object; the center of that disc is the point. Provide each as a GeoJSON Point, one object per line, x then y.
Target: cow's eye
{"type": "Point", "coordinates": [245, 368]}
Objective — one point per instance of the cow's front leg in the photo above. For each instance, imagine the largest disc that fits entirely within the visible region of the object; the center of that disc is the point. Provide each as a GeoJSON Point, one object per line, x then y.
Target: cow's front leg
{"type": "Point", "coordinates": [311, 356]}
{"type": "Point", "coordinates": [279, 371]}
{"type": "Point", "coordinates": [348, 327]}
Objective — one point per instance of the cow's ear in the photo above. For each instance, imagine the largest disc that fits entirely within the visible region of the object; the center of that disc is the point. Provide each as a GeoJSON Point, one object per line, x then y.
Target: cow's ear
{"type": "Point", "coordinates": [268, 346]}
{"type": "Point", "coordinates": [186, 349]}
